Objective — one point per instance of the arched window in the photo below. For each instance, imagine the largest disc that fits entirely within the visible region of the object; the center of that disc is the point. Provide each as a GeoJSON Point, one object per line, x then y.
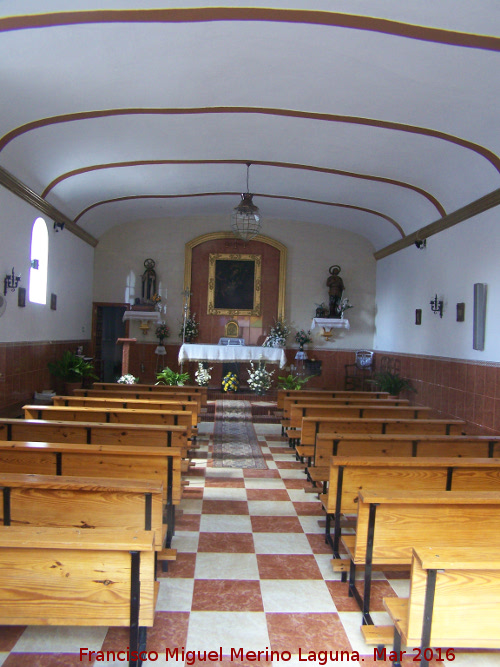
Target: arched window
{"type": "Point", "coordinates": [39, 262]}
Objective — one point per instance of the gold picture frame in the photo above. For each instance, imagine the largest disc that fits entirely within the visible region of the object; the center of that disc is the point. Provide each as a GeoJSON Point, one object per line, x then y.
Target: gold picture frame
{"type": "Point", "coordinates": [234, 284]}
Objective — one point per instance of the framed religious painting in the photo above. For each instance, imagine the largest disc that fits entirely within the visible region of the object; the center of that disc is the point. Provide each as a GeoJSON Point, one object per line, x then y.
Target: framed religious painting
{"type": "Point", "coordinates": [234, 284]}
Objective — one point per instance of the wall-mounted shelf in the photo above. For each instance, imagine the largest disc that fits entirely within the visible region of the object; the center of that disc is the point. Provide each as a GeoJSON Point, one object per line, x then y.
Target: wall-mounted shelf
{"type": "Point", "coordinates": [145, 317]}
{"type": "Point", "coordinates": [328, 324]}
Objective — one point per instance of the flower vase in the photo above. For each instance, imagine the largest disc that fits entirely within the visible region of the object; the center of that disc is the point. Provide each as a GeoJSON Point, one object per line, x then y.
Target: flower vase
{"type": "Point", "coordinates": [301, 348]}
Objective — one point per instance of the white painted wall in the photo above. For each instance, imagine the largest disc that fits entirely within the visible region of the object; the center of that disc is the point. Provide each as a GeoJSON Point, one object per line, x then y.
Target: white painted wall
{"type": "Point", "coordinates": [312, 249]}
{"type": "Point", "coordinates": [453, 261]}
{"type": "Point", "coordinates": [69, 277]}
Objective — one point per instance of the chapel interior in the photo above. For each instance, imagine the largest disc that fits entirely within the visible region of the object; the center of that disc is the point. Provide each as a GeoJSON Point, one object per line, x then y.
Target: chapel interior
{"type": "Point", "coordinates": [368, 136]}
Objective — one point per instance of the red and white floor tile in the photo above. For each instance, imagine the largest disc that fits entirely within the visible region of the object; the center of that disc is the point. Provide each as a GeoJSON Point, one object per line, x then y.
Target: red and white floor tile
{"type": "Point", "coordinates": [252, 574]}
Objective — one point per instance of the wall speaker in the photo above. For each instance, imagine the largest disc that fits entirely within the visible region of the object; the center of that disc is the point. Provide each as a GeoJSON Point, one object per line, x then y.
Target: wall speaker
{"type": "Point", "coordinates": [479, 316]}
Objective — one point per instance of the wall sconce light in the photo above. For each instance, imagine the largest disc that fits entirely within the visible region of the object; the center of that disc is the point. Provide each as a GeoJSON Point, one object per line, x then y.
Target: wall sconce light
{"type": "Point", "coordinates": [11, 282]}
{"type": "Point", "coordinates": [58, 226]}
{"type": "Point", "coordinates": [437, 306]}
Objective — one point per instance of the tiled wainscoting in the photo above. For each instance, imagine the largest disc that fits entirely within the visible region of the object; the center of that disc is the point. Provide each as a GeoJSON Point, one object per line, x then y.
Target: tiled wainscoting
{"type": "Point", "coordinates": [24, 369]}
{"type": "Point", "coordinates": [463, 389]}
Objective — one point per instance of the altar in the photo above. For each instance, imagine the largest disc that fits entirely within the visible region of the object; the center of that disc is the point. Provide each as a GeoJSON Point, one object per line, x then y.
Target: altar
{"type": "Point", "coordinates": [230, 353]}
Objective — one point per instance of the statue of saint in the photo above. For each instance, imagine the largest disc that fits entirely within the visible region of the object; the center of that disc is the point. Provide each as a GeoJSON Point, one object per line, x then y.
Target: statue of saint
{"type": "Point", "coordinates": [149, 280]}
{"type": "Point", "coordinates": [336, 288]}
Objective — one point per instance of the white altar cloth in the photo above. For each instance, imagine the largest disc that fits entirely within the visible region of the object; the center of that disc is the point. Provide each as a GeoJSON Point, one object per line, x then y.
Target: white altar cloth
{"type": "Point", "coordinates": [227, 353]}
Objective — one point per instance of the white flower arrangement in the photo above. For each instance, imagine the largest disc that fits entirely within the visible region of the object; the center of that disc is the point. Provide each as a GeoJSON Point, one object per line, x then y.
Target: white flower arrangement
{"type": "Point", "coordinates": [202, 375]}
{"type": "Point", "coordinates": [344, 305]}
{"type": "Point", "coordinates": [260, 378]}
{"type": "Point", "coordinates": [192, 329]}
{"type": "Point", "coordinates": [277, 335]}
{"type": "Point", "coordinates": [128, 378]}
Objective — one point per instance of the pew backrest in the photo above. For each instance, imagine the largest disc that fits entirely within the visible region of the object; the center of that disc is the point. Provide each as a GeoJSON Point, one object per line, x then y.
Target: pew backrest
{"type": "Point", "coordinates": [82, 502]}
{"type": "Point", "coordinates": [350, 474]}
{"type": "Point", "coordinates": [125, 403]}
{"type": "Point", "coordinates": [160, 465]}
{"type": "Point", "coordinates": [192, 389]}
{"type": "Point", "coordinates": [399, 521]}
{"type": "Point", "coordinates": [55, 580]}
{"type": "Point", "coordinates": [340, 393]}
{"type": "Point", "coordinates": [463, 605]}
{"type": "Point", "coordinates": [110, 415]}
{"type": "Point", "coordinates": [325, 401]}
{"type": "Point", "coordinates": [93, 433]}
{"type": "Point", "coordinates": [298, 412]}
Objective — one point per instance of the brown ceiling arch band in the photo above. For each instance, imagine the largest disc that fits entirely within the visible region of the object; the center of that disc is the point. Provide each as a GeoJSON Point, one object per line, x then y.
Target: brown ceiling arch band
{"type": "Point", "coordinates": [287, 113]}
{"type": "Point", "coordinates": [211, 14]}
{"type": "Point", "coordinates": [266, 163]}
{"type": "Point", "coordinates": [235, 194]}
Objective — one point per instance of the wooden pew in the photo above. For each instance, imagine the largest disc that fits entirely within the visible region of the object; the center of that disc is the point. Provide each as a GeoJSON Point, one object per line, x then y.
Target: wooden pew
{"type": "Point", "coordinates": [349, 474]}
{"type": "Point", "coordinates": [141, 395]}
{"type": "Point", "coordinates": [190, 389]}
{"type": "Point", "coordinates": [317, 430]}
{"type": "Point", "coordinates": [110, 415]}
{"type": "Point", "coordinates": [454, 593]}
{"type": "Point", "coordinates": [290, 401]}
{"type": "Point", "coordinates": [298, 412]}
{"type": "Point", "coordinates": [159, 465]}
{"type": "Point", "coordinates": [401, 444]}
{"type": "Point", "coordinates": [390, 524]}
{"type": "Point", "coordinates": [96, 433]}
{"type": "Point", "coordinates": [82, 502]}
{"type": "Point", "coordinates": [334, 393]}
{"type": "Point", "coordinates": [48, 577]}
{"type": "Point", "coordinates": [126, 403]}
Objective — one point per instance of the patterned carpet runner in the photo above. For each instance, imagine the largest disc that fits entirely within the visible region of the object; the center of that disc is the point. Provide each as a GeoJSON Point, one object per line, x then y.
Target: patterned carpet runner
{"type": "Point", "coordinates": [235, 440]}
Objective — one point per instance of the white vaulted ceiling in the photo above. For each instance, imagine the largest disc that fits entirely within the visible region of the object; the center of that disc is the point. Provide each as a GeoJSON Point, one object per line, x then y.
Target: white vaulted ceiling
{"type": "Point", "coordinates": [377, 117]}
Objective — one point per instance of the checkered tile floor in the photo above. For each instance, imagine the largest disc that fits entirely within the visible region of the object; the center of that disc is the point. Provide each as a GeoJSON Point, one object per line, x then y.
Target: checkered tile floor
{"type": "Point", "coordinates": [252, 574]}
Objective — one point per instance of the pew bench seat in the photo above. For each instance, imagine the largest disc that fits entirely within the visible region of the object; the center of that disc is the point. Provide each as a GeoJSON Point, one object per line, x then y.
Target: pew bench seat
{"type": "Point", "coordinates": [48, 577]}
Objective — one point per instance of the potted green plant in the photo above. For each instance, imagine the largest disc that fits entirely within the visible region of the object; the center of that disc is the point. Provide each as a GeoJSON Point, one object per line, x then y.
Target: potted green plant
{"type": "Point", "coordinates": [292, 381]}
{"type": "Point", "coordinates": [170, 377]}
{"type": "Point", "coordinates": [72, 370]}
{"type": "Point", "coordinates": [392, 382]}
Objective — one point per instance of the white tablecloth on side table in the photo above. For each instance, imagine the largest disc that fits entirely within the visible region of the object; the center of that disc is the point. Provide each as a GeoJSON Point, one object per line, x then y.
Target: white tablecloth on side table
{"type": "Point", "coordinates": [224, 353]}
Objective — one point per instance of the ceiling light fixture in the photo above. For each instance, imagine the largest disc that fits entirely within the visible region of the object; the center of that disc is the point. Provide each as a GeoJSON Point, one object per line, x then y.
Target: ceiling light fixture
{"type": "Point", "coordinates": [245, 218]}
